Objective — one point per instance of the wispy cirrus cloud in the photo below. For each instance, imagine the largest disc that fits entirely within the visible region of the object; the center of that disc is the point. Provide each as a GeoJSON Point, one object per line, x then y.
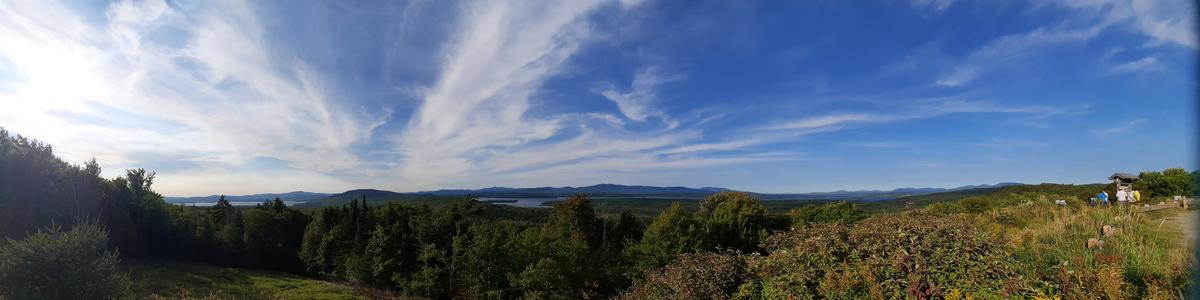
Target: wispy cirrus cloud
{"type": "Point", "coordinates": [636, 103]}
{"type": "Point", "coordinates": [913, 110]}
{"type": "Point", "coordinates": [217, 95]}
{"type": "Point", "coordinates": [220, 95]}
{"type": "Point", "coordinates": [475, 123]}
{"type": "Point", "coordinates": [827, 121]}
{"type": "Point", "coordinates": [1004, 50]}
{"type": "Point", "coordinates": [879, 144]}
{"type": "Point", "coordinates": [1162, 22]}
{"type": "Point", "coordinates": [937, 5]}
{"type": "Point", "coordinates": [501, 55]}
{"type": "Point", "coordinates": [1120, 128]}
{"type": "Point", "coordinates": [1148, 63]}
{"type": "Point", "coordinates": [1011, 143]}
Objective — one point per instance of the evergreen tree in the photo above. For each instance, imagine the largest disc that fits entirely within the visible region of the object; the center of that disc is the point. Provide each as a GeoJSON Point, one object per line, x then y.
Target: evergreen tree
{"type": "Point", "coordinates": [732, 220]}
{"type": "Point", "coordinates": [841, 212]}
{"type": "Point", "coordinates": [55, 264]}
{"type": "Point", "coordinates": [673, 232]}
{"type": "Point", "coordinates": [627, 229]}
{"type": "Point", "coordinates": [577, 214]}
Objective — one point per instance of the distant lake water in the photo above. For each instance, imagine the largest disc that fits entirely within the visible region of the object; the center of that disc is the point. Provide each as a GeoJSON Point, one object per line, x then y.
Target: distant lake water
{"type": "Point", "coordinates": [234, 203]}
{"type": "Point", "coordinates": [519, 202]}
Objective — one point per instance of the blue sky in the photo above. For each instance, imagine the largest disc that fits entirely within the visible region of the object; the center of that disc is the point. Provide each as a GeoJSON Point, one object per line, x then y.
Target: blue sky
{"type": "Point", "coordinates": [270, 96]}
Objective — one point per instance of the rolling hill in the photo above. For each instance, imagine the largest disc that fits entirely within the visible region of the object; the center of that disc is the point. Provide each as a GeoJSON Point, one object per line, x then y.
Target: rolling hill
{"type": "Point", "coordinates": [375, 196]}
{"type": "Point", "coordinates": [599, 190]}
{"type": "Point", "coordinates": [297, 196]}
{"type": "Point", "coordinates": [372, 196]}
{"type": "Point", "coordinates": [617, 190]}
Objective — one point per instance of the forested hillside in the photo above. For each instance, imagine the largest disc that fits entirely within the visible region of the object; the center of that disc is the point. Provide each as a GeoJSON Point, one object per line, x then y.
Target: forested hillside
{"type": "Point", "coordinates": [39, 191]}
{"type": "Point", "coordinates": [1001, 242]}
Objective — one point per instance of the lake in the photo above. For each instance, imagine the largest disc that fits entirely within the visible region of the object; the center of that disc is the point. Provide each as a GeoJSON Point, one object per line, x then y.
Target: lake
{"type": "Point", "coordinates": [519, 202]}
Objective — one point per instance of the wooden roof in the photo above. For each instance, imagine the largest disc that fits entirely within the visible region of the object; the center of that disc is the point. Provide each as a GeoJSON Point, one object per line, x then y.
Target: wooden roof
{"type": "Point", "coordinates": [1123, 177]}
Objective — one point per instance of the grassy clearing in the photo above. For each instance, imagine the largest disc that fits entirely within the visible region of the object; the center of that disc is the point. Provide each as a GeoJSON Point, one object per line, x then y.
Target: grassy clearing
{"type": "Point", "coordinates": [1143, 259]}
{"type": "Point", "coordinates": [181, 280]}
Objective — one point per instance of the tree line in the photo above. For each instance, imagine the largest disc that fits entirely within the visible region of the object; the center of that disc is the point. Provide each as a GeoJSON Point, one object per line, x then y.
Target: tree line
{"type": "Point", "coordinates": [450, 251]}
{"type": "Point", "coordinates": [1168, 183]}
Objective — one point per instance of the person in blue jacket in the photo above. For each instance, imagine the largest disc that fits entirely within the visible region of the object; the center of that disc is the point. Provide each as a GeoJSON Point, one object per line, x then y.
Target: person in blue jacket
{"type": "Point", "coordinates": [1103, 197]}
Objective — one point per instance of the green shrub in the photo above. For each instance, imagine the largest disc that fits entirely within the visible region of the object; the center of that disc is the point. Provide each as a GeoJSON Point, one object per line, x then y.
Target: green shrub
{"type": "Point", "coordinates": [672, 233]}
{"type": "Point", "coordinates": [888, 256]}
{"type": "Point", "coordinates": [55, 264]}
{"type": "Point", "coordinates": [837, 212]}
{"type": "Point", "coordinates": [734, 220]}
{"type": "Point", "coordinates": [1170, 182]}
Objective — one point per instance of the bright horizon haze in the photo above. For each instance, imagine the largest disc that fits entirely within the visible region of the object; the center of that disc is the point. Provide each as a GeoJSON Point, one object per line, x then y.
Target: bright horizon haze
{"type": "Point", "coordinates": [231, 97]}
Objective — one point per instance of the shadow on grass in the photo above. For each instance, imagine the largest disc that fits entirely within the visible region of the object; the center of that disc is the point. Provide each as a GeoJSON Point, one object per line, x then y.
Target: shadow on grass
{"type": "Point", "coordinates": [185, 280]}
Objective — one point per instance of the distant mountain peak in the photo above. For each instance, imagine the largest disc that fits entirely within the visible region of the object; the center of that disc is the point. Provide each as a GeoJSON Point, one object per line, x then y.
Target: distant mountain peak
{"type": "Point", "coordinates": [364, 190]}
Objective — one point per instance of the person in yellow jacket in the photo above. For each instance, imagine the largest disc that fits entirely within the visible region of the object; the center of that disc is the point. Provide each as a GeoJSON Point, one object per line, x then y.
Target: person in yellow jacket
{"type": "Point", "coordinates": [1137, 196]}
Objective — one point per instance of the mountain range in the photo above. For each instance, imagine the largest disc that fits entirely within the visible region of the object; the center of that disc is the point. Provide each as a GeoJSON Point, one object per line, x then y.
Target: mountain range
{"type": "Point", "coordinates": [297, 196]}
{"type": "Point", "coordinates": [599, 190]}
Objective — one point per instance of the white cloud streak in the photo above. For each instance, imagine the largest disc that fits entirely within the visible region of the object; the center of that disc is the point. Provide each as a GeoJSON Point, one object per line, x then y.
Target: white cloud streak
{"type": "Point", "coordinates": [1005, 49]}
{"type": "Point", "coordinates": [937, 5]}
{"type": "Point", "coordinates": [828, 121]}
{"type": "Point", "coordinates": [922, 109]}
{"type": "Point", "coordinates": [1148, 63]}
{"type": "Point", "coordinates": [502, 54]}
{"type": "Point", "coordinates": [217, 95]}
{"type": "Point", "coordinates": [218, 98]}
{"type": "Point", "coordinates": [1121, 128]}
{"type": "Point", "coordinates": [474, 126]}
{"type": "Point", "coordinates": [1162, 22]}
{"type": "Point", "coordinates": [636, 104]}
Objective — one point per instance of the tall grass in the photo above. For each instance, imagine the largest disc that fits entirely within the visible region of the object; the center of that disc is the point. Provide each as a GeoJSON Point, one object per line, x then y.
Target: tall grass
{"type": "Point", "coordinates": [1143, 259]}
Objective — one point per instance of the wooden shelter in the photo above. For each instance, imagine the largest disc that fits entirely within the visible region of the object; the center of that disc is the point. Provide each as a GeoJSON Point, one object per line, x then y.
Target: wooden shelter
{"type": "Point", "coordinates": [1124, 181]}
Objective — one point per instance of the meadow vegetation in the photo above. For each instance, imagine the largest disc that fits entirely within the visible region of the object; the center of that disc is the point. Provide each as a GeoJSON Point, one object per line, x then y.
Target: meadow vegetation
{"type": "Point", "coordinates": [1012, 243]}
{"type": "Point", "coordinates": [162, 279]}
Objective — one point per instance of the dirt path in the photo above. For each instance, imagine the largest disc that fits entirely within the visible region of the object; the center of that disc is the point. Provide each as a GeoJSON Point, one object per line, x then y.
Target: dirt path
{"type": "Point", "coordinates": [1189, 222]}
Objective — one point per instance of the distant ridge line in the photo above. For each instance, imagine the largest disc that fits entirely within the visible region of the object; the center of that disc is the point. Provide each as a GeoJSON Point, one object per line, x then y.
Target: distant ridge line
{"type": "Point", "coordinates": [598, 190]}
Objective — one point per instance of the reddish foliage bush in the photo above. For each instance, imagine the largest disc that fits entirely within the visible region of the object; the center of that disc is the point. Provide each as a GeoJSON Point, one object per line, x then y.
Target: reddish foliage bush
{"type": "Point", "coordinates": [893, 256]}
{"type": "Point", "coordinates": [694, 276]}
